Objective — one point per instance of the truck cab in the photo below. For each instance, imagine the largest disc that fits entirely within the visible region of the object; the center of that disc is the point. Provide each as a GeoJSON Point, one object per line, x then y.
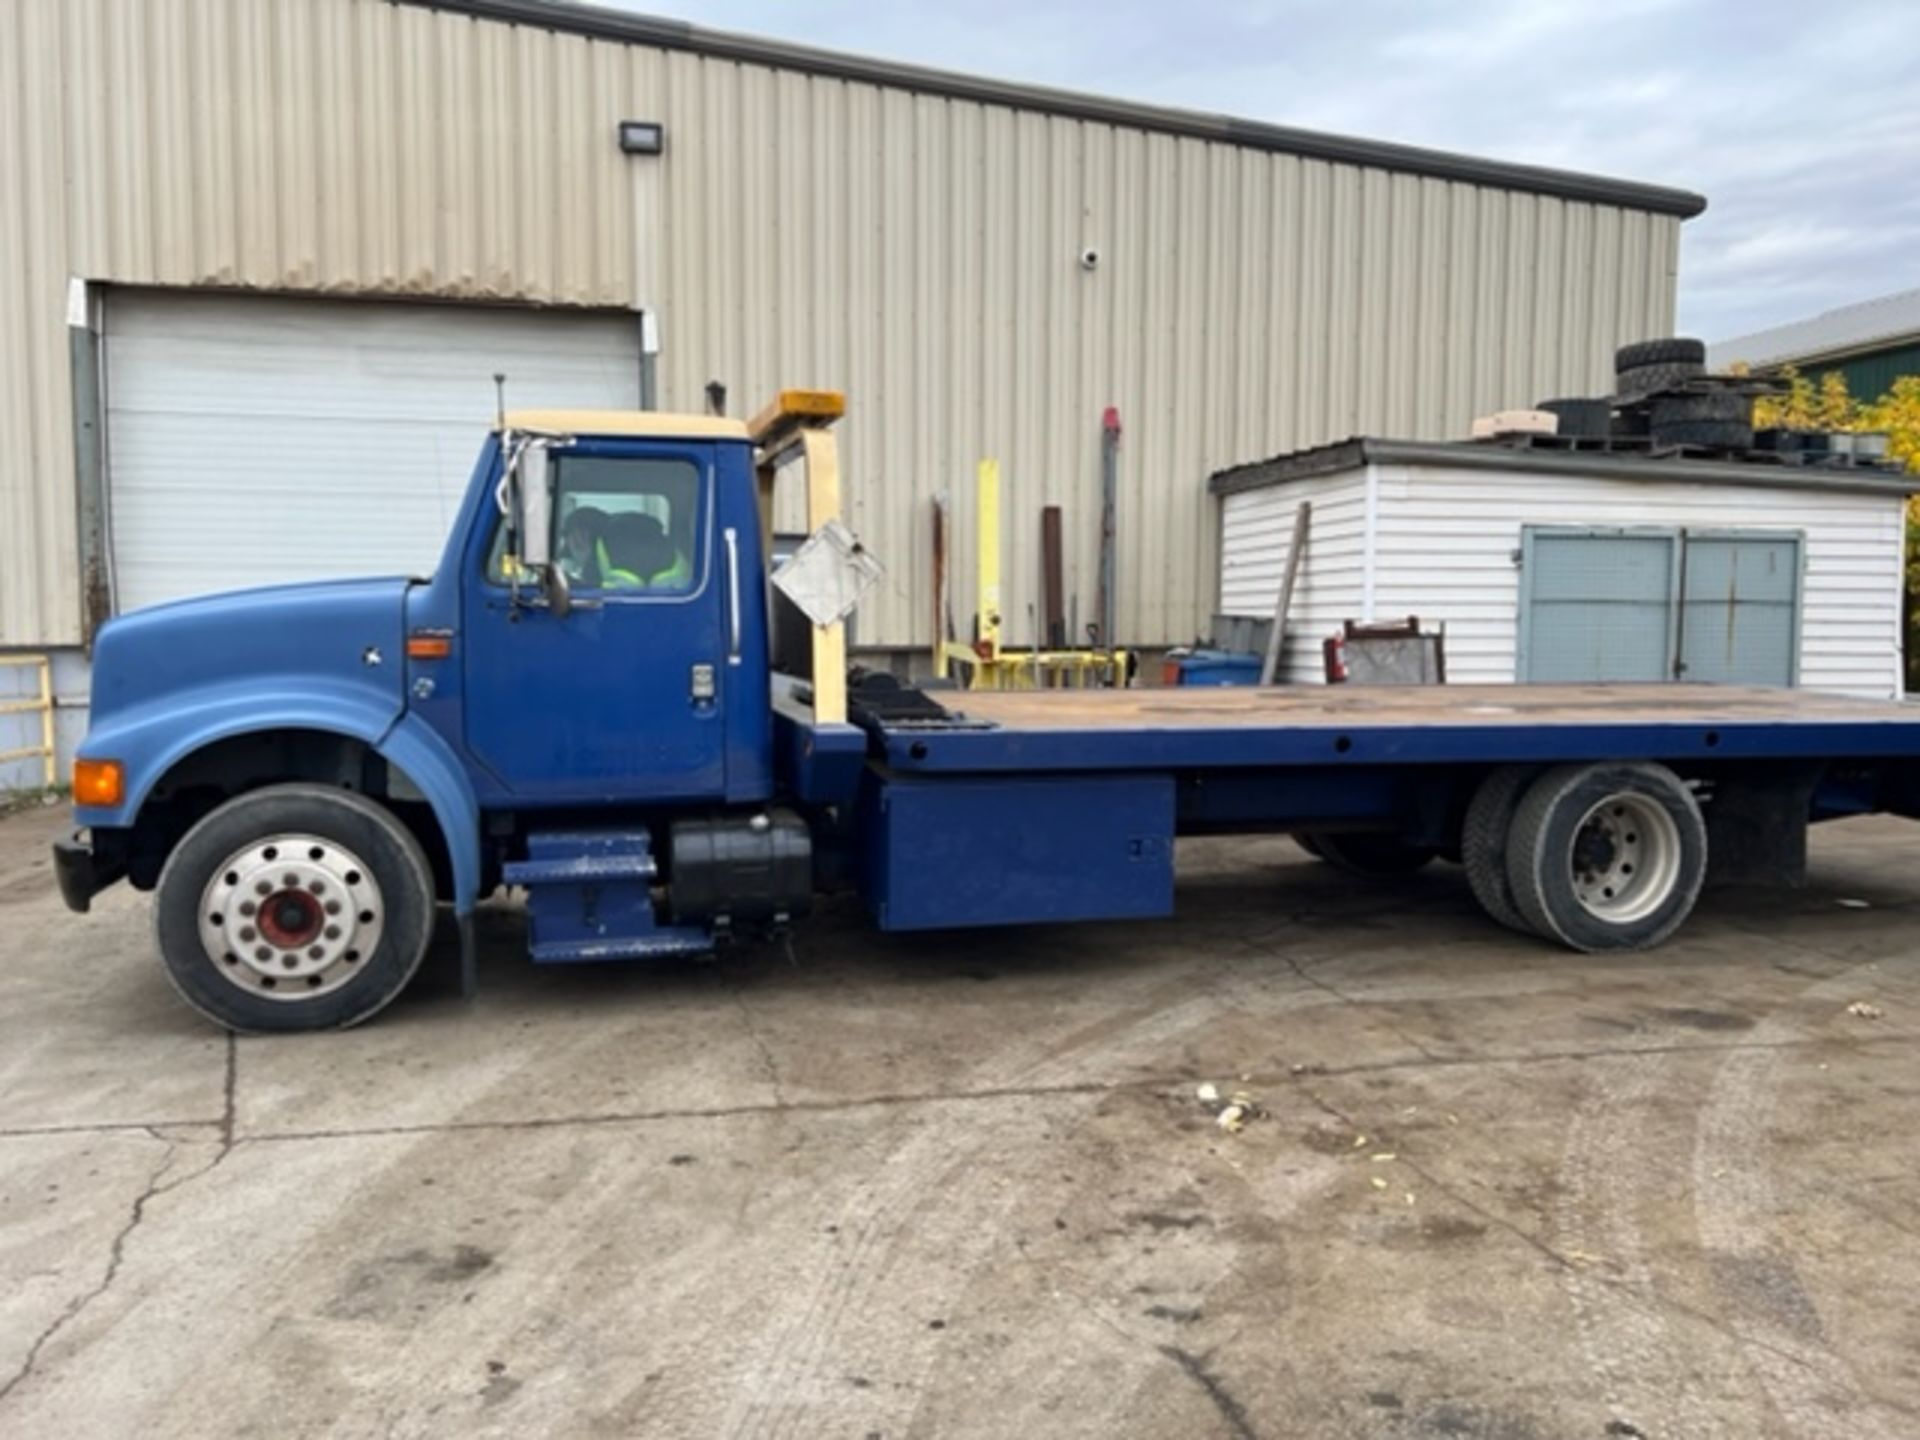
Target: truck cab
{"type": "Point", "coordinates": [650, 675]}
{"type": "Point", "coordinates": [582, 699]}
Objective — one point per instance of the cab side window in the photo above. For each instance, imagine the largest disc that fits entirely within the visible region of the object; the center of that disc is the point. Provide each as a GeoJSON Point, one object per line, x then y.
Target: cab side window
{"type": "Point", "coordinates": [623, 525]}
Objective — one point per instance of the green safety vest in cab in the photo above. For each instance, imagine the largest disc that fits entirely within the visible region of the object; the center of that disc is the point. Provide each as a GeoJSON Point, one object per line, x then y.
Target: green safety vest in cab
{"type": "Point", "coordinates": [612, 577]}
{"type": "Point", "coordinates": [615, 577]}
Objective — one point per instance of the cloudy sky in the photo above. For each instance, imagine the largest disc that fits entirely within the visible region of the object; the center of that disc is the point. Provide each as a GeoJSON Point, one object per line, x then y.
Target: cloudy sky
{"type": "Point", "coordinates": [1800, 122]}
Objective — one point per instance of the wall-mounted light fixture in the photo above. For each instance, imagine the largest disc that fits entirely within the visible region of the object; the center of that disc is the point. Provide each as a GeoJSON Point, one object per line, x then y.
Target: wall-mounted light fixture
{"type": "Point", "coordinates": [642, 137]}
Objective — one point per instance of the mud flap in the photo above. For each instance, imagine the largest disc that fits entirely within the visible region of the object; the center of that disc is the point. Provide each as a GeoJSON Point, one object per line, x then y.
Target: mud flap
{"type": "Point", "coordinates": [1757, 828]}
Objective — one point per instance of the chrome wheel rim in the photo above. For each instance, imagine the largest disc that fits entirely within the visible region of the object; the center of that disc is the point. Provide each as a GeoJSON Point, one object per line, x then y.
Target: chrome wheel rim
{"type": "Point", "coordinates": [291, 916]}
{"type": "Point", "coordinates": [1625, 859]}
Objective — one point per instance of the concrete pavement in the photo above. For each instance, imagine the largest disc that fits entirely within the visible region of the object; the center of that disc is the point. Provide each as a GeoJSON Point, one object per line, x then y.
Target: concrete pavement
{"type": "Point", "coordinates": [961, 1186]}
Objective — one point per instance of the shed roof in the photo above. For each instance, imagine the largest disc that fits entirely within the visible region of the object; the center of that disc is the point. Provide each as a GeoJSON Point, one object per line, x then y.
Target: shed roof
{"type": "Point", "coordinates": [624, 26]}
{"type": "Point", "coordinates": [1361, 450]}
{"type": "Point", "coordinates": [1831, 335]}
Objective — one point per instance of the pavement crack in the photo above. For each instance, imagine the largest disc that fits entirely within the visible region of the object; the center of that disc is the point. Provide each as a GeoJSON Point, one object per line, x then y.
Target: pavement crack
{"type": "Point", "coordinates": [987, 1095]}
{"type": "Point", "coordinates": [767, 1063]}
{"type": "Point", "coordinates": [940, 1097]}
{"type": "Point", "coordinates": [115, 1255]}
{"type": "Point", "coordinates": [151, 1128]}
{"type": "Point", "coordinates": [1329, 988]}
{"type": "Point", "coordinates": [1230, 1408]}
{"type": "Point", "coordinates": [228, 1090]}
{"type": "Point", "coordinates": [1239, 1423]}
{"type": "Point", "coordinates": [156, 1186]}
{"type": "Point", "coordinates": [1612, 1052]}
{"type": "Point", "coordinates": [732, 1112]}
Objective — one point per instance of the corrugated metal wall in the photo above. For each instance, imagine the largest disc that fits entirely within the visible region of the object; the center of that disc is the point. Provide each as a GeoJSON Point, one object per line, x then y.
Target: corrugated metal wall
{"type": "Point", "coordinates": [1871, 376]}
{"type": "Point", "coordinates": [1445, 539]}
{"type": "Point", "coordinates": [921, 252]}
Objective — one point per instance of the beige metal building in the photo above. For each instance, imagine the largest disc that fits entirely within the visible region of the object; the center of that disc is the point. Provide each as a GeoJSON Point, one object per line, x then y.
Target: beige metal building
{"type": "Point", "coordinates": [260, 258]}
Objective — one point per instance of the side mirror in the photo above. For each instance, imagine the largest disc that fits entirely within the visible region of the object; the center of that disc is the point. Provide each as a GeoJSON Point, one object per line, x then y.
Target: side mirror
{"type": "Point", "coordinates": [526, 498]}
{"type": "Point", "coordinates": [534, 490]}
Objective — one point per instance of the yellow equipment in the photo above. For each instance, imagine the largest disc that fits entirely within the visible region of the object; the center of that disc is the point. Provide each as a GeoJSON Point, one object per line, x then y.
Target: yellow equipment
{"type": "Point", "coordinates": [41, 704]}
{"type": "Point", "coordinates": [986, 664]}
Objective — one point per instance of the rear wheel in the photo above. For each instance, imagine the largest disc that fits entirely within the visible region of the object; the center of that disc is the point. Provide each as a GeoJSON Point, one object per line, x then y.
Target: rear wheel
{"type": "Point", "coordinates": [1607, 857]}
{"type": "Point", "coordinates": [296, 907]}
{"type": "Point", "coordinates": [1483, 843]}
{"type": "Point", "coordinates": [1371, 856]}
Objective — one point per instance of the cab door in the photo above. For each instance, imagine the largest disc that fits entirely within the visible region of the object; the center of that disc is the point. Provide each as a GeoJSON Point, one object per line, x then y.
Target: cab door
{"type": "Point", "coordinates": [624, 698]}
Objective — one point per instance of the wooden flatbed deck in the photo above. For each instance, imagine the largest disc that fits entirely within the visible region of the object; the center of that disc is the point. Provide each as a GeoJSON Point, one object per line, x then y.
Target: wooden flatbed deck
{"type": "Point", "coordinates": [1177, 729]}
{"type": "Point", "coordinates": [1354, 707]}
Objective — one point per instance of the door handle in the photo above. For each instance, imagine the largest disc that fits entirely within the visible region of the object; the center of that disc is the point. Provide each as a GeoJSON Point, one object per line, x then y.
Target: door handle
{"type": "Point", "coordinates": [732, 538]}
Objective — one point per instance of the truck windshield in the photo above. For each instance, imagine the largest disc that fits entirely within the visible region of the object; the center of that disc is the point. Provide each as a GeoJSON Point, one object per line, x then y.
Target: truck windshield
{"type": "Point", "coordinates": [622, 524]}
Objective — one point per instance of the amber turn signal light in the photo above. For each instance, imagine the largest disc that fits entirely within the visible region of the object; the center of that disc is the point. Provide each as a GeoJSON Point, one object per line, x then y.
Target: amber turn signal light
{"type": "Point", "coordinates": [100, 783]}
{"type": "Point", "coordinates": [426, 645]}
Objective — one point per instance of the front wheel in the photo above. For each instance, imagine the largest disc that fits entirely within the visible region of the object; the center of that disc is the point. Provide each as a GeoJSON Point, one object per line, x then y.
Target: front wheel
{"type": "Point", "coordinates": [1607, 857]}
{"type": "Point", "coordinates": [296, 907]}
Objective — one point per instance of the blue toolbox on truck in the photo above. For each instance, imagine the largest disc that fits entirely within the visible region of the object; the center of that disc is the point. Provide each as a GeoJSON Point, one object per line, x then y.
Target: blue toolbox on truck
{"type": "Point", "coordinates": [1001, 851]}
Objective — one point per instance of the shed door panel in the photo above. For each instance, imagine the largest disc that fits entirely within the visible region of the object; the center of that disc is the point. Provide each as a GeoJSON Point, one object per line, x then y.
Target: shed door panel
{"type": "Point", "coordinates": [1741, 610]}
{"type": "Point", "coordinates": [1599, 606]}
{"type": "Point", "coordinates": [255, 440]}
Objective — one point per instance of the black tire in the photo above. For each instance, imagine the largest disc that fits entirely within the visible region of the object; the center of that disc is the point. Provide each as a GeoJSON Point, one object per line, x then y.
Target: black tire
{"type": "Point", "coordinates": [366, 835]}
{"type": "Point", "coordinates": [1705, 435]}
{"type": "Point", "coordinates": [1549, 840]}
{"type": "Point", "coordinates": [1708, 405]}
{"type": "Point", "coordinates": [1483, 843]}
{"type": "Point", "coordinates": [1584, 419]}
{"type": "Point", "coordinates": [1664, 351]}
{"type": "Point", "coordinates": [1720, 418]}
{"type": "Point", "coordinates": [1630, 424]}
{"type": "Point", "coordinates": [1373, 857]}
{"type": "Point", "coordinates": [1645, 380]}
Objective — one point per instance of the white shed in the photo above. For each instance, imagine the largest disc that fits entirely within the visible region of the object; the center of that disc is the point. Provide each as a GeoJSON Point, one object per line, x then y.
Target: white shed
{"type": "Point", "coordinates": [1558, 566]}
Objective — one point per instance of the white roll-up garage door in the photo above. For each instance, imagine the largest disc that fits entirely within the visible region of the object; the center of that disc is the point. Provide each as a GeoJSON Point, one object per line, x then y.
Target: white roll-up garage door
{"type": "Point", "coordinates": [253, 440]}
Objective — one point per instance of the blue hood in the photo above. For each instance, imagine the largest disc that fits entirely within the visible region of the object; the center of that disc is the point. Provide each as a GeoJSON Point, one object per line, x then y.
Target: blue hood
{"type": "Point", "coordinates": [328, 631]}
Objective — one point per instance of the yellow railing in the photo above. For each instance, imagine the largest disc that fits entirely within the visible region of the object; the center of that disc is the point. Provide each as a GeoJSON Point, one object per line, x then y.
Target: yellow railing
{"type": "Point", "coordinates": [41, 706]}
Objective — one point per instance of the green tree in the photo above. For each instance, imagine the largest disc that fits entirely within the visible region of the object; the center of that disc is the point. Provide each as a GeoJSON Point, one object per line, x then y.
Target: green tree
{"type": "Point", "coordinates": [1827, 405]}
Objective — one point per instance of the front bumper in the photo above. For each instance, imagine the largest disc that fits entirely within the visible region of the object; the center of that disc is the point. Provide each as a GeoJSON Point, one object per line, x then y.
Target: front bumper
{"type": "Point", "coordinates": [81, 873]}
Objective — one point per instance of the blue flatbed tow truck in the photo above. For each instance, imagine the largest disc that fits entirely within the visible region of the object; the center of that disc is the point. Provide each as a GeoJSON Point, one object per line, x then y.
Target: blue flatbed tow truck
{"type": "Point", "coordinates": [599, 696]}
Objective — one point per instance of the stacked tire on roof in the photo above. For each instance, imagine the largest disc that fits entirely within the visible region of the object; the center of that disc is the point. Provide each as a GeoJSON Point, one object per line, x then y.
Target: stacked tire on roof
{"type": "Point", "coordinates": [1662, 393]}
